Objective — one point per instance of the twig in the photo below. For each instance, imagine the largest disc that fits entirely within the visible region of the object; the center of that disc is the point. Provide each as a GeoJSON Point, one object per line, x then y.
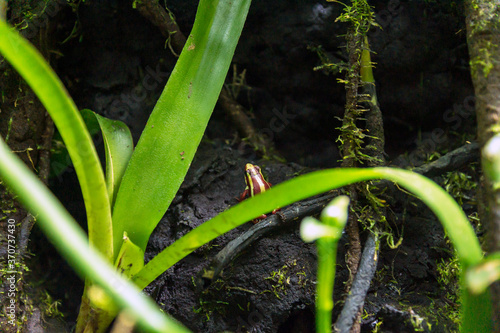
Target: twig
{"type": "Point", "coordinates": [350, 138]}
{"type": "Point", "coordinates": [483, 38]}
{"type": "Point", "coordinates": [363, 269]}
{"type": "Point", "coordinates": [156, 14]}
{"type": "Point", "coordinates": [44, 150]}
{"type": "Point", "coordinates": [354, 302]}
{"type": "Point", "coordinates": [453, 160]}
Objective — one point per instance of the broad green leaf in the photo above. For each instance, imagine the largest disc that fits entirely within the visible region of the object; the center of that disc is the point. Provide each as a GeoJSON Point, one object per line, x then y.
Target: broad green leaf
{"type": "Point", "coordinates": [476, 308]}
{"type": "Point", "coordinates": [119, 146]}
{"type": "Point", "coordinates": [71, 242]}
{"type": "Point", "coordinates": [51, 92]}
{"type": "Point", "coordinates": [175, 128]}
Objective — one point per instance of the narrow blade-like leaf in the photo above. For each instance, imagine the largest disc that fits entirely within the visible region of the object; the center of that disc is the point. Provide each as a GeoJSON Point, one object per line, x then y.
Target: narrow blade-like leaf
{"type": "Point", "coordinates": [119, 146]}
{"type": "Point", "coordinates": [71, 242]}
{"type": "Point", "coordinates": [51, 92]}
{"type": "Point", "coordinates": [475, 308]}
{"type": "Point", "coordinates": [176, 126]}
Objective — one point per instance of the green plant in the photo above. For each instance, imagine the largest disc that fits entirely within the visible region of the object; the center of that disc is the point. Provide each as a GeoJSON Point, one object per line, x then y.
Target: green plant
{"type": "Point", "coordinates": [138, 186]}
{"type": "Point", "coordinates": [475, 302]}
{"type": "Point", "coordinates": [475, 308]}
{"type": "Point", "coordinates": [328, 233]}
{"type": "Point", "coordinates": [158, 166]}
{"type": "Point", "coordinates": [448, 272]}
{"type": "Point", "coordinates": [71, 241]}
{"type": "Point", "coordinates": [50, 306]}
{"type": "Point", "coordinates": [482, 275]}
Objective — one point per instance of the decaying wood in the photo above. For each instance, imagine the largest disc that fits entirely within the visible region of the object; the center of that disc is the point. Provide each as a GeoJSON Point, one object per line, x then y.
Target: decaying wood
{"type": "Point", "coordinates": [353, 256]}
{"type": "Point", "coordinates": [356, 298]}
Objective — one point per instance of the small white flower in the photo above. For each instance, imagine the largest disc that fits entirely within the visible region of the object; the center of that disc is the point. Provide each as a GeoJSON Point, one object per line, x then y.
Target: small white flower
{"type": "Point", "coordinates": [333, 220]}
{"type": "Point", "coordinates": [312, 229]}
{"type": "Point", "coordinates": [335, 214]}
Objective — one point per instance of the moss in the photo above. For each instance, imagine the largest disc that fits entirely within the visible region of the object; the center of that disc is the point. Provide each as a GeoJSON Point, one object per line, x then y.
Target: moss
{"type": "Point", "coordinates": [327, 65]}
{"type": "Point", "coordinates": [49, 306]}
{"type": "Point", "coordinates": [280, 279]}
{"type": "Point", "coordinates": [207, 308]}
{"type": "Point", "coordinates": [484, 21]}
{"type": "Point", "coordinates": [460, 186]}
{"type": "Point", "coordinates": [359, 14]}
{"type": "Point", "coordinates": [483, 63]}
{"type": "Point", "coordinates": [238, 83]}
{"type": "Point", "coordinates": [444, 308]}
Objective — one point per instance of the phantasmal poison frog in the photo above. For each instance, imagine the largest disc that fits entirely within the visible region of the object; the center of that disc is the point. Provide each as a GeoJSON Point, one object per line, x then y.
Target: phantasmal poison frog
{"type": "Point", "coordinates": [256, 183]}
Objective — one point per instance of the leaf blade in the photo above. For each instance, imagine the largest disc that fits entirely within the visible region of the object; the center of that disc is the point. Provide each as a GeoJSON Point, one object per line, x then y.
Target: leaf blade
{"type": "Point", "coordinates": [71, 242]}
{"type": "Point", "coordinates": [476, 309]}
{"type": "Point", "coordinates": [41, 78]}
{"type": "Point", "coordinates": [119, 146]}
{"type": "Point", "coordinates": [176, 126]}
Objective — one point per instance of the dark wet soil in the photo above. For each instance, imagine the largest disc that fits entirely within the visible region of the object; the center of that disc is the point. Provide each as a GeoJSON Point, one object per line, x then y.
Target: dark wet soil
{"type": "Point", "coordinates": [421, 72]}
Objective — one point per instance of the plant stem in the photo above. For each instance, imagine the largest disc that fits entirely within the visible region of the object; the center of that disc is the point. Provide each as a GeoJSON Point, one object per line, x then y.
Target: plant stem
{"type": "Point", "coordinates": [327, 260]}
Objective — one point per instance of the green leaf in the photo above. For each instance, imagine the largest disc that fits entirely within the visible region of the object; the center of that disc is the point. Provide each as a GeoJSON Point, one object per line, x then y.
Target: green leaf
{"type": "Point", "coordinates": [176, 126]}
{"type": "Point", "coordinates": [130, 259]}
{"type": "Point", "coordinates": [71, 242]}
{"type": "Point", "coordinates": [475, 308]}
{"type": "Point", "coordinates": [441, 203]}
{"type": "Point", "coordinates": [90, 120]}
{"type": "Point", "coordinates": [51, 92]}
{"type": "Point", "coordinates": [119, 147]}
{"type": "Point", "coordinates": [366, 63]}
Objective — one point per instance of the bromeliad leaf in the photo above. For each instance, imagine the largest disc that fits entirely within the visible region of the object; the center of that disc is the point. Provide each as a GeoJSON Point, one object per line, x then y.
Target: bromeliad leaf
{"type": "Point", "coordinates": [176, 126]}
{"type": "Point", "coordinates": [447, 210]}
{"type": "Point", "coordinates": [475, 308]}
{"type": "Point", "coordinates": [59, 157]}
{"type": "Point", "coordinates": [70, 240]}
{"type": "Point", "coordinates": [119, 146]}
